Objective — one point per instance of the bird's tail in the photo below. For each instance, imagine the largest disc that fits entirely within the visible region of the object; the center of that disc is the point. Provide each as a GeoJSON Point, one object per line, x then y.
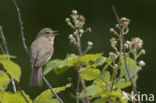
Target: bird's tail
{"type": "Point", "coordinates": [36, 77]}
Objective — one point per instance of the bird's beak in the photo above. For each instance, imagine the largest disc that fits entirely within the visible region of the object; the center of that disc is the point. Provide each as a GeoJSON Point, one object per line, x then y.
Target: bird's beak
{"type": "Point", "coordinates": [55, 33]}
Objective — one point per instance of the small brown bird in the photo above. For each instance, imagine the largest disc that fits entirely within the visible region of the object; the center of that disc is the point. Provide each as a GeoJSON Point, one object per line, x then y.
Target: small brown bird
{"type": "Point", "coordinates": [40, 53]}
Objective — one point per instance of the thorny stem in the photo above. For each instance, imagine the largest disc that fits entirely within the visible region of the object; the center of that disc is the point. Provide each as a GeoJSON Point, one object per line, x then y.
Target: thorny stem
{"type": "Point", "coordinates": [7, 52]}
{"type": "Point", "coordinates": [21, 27]}
{"type": "Point", "coordinates": [124, 49]}
{"type": "Point", "coordinates": [51, 89]}
{"type": "Point", "coordinates": [22, 94]}
{"type": "Point", "coordinates": [81, 79]}
{"type": "Point", "coordinates": [27, 50]}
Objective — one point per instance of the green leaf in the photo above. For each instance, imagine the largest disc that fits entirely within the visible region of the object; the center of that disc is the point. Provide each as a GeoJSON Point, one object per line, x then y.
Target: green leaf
{"type": "Point", "coordinates": [12, 69]}
{"type": "Point", "coordinates": [4, 80]}
{"type": "Point", "coordinates": [48, 96]}
{"type": "Point", "coordinates": [92, 91]}
{"type": "Point", "coordinates": [122, 83]}
{"type": "Point", "coordinates": [89, 73]}
{"type": "Point", "coordinates": [101, 100]}
{"type": "Point", "coordinates": [85, 60]}
{"type": "Point", "coordinates": [100, 61]}
{"type": "Point", "coordinates": [8, 97]}
{"type": "Point", "coordinates": [6, 56]}
{"type": "Point", "coordinates": [59, 66]}
{"type": "Point", "coordinates": [103, 78]}
{"type": "Point", "coordinates": [132, 68]}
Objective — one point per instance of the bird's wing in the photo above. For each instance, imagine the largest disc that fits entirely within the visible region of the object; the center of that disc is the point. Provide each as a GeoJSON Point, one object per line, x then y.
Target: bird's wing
{"type": "Point", "coordinates": [41, 51]}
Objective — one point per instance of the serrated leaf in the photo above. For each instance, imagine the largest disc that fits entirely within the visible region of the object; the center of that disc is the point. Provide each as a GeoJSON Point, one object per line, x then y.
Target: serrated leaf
{"type": "Point", "coordinates": [122, 83]}
{"type": "Point", "coordinates": [85, 60]}
{"type": "Point", "coordinates": [101, 100]}
{"type": "Point", "coordinates": [8, 97]}
{"type": "Point", "coordinates": [12, 69]}
{"type": "Point", "coordinates": [47, 95]}
{"type": "Point", "coordinates": [103, 78]}
{"type": "Point", "coordinates": [58, 66]}
{"type": "Point", "coordinates": [89, 73]}
{"type": "Point", "coordinates": [4, 80]}
{"type": "Point", "coordinates": [55, 65]}
{"type": "Point", "coordinates": [6, 56]}
{"type": "Point", "coordinates": [100, 61]}
{"type": "Point", "coordinates": [92, 91]}
{"type": "Point", "coordinates": [132, 68]}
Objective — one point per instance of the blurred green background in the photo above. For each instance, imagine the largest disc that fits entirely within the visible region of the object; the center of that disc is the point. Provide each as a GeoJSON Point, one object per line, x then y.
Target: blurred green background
{"type": "Point", "coordinates": [37, 14]}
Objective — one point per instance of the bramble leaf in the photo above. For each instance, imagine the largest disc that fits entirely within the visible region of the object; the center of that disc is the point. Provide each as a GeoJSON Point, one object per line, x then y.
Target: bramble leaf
{"type": "Point", "coordinates": [8, 97]}
{"type": "Point", "coordinates": [59, 66]}
{"type": "Point", "coordinates": [89, 73]}
{"type": "Point", "coordinates": [12, 68]}
{"type": "Point", "coordinates": [132, 67]}
{"type": "Point", "coordinates": [6, 56]}
{"type": "Point", "coordinates": [4, 80]}
{"type": "Point", "coordinates": [92, 91]}
{"type": "Point", "coordinates": [48, 96]}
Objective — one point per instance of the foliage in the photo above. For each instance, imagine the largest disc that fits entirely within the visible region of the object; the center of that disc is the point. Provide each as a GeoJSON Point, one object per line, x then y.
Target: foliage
{"type": "Point", "coordinates": [107, 75]}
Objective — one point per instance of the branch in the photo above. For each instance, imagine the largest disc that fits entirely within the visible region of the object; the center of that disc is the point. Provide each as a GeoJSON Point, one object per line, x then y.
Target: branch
{"type": "Point", "coordinates": [21, 27]}
{"type": "Point", "coordinates": [7, 52]}
{"type": "Point", "coordinates": [124, 49]}
{"type": "Point", "coordinates": [51, 89]}
{"type": "Point", "coordinates": [23, 94]}
{"type": "Point", "coordinates": [27, 50]}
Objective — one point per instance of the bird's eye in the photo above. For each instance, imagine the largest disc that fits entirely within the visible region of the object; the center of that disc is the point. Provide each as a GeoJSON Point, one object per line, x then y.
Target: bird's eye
{"type": "Point", "coordinates": [47, 32]}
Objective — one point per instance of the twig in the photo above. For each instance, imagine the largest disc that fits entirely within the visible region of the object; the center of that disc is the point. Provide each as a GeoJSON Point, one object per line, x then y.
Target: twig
{"type": "Point", "coordinates": [81, 79]}
{"type": "Point", "coordinates": [7, 52]}
{"type": "Point", "coordinates": [26, 47]}
{"type": "Point", "coordinates": [21, 27]}
{"type": "Point", "coordinates": [23, 94]}
{"type": "Point", "coordinates": [124, 49]}
{"type": "Point", "coordinates": [77, 89]}
{"type": "Point", "coordinates": [51, 89]}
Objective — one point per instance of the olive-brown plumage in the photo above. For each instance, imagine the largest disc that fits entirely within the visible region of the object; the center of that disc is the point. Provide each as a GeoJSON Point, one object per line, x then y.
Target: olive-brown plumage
{"type": "Point", "coordinates": [41, 51]}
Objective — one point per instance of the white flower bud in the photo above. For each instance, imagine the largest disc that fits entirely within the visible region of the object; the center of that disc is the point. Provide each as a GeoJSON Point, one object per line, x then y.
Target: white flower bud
{"type": "Point", "coordinates": [67, 19]}
{"type": "Point", "coordinates": [128, 42]}
{"type": "Point", "coordinates": [142, 63]}
{"type": "Point", "coordinates": [81, 31]}
{"type": "Point", "coordinates": [71, 36]}
{"type": "Point", "coordinates": [74, 12]}
{"type": "Point", "coordinates": [117, 26]}
{"type": "Point", "coordinates": [90, 43]}
{"type": "Point", "coordinates": [111, 29]}
{"type": "Point", "coordinates": [126, 45]}
{"type": "Point", "coordinates": [143, 51]}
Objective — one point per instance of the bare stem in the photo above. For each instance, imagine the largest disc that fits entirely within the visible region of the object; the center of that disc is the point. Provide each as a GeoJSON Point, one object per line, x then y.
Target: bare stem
{"type": "Point", "coordinates": [124, 49]}
{"type": "Point", "coordinates": [77, 89]}
{"type": "Point", "coordinates": [27, 50]}
{"type": "Point", "coordinates": [23, 94]}
{"type": "Point", "coordinates": [21, 27]}
{"type": "Point", "coordinates": [81, 79]}
{"type": "Point", "coordinates": [51, 89]}
{"type": "Point", "coordinates": [7, 52]}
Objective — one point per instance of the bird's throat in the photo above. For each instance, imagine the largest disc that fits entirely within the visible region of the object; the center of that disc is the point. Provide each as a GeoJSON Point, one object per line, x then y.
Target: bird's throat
{"type": "Point", "coordinates": [51, 39]}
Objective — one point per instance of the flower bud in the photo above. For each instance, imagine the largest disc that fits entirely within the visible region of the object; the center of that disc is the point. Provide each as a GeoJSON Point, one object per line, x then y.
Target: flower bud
{"type": "Point", "coordinates": [71, 36]}
{"type": "Point", "coordinates": [142, 63]}
{"type": "Point", "coordinates": [90, 43]}
{"type": "Point", "coordinates": [81, 31]}
{"type": "Point", "coordinates": [67, 19]}
{"type": "Point", "coordinates": [124, 22]}
{"type": "Point", "coordinates": [74, 12]}
{"type": "Point", "coordinates": [126, 45]}
{"type": "Point", "coordinates": [117, 26]}
{"type": "Point", "coordinates": [89, 30]}
{"type": "Point", "coordinates": [111, 29]}
{"type": "Point", "coordinates": [143, 51]}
